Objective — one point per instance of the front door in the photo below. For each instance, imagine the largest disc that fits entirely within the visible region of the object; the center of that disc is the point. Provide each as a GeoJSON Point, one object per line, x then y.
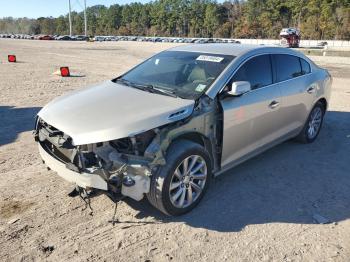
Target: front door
{"type": "Point", "coordinates": [253, 119]}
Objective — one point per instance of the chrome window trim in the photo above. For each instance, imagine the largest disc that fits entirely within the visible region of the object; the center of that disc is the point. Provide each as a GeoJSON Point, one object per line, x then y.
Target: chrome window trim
{"type": "Point", "coordinates": [239, 66]}
{"type": "Point", "coordinates": [245, 61]}
{"type": "Point", "coordinates": [308, 64]}
{"type": "Point", "coordinates": [263, 53]}
{"type": "Point", "coordinates": [277, 82]}
{"type": "Point", "coordinates": [263, 87]}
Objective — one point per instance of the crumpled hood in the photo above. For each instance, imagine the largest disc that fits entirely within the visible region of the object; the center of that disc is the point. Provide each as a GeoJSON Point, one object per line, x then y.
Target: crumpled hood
{"type": "Point", "coordinates": [111, 111]}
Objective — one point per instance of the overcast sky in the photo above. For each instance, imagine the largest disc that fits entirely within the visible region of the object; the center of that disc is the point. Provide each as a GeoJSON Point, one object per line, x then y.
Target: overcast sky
{"type": "Point", "coordinates": [37, 8]}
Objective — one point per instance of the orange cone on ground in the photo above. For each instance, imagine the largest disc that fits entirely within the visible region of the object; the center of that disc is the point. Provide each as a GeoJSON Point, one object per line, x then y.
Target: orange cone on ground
{"type": "Point", "coordinates": [64, 71]}
{"type": "Point", "coordinates": [11, 58]}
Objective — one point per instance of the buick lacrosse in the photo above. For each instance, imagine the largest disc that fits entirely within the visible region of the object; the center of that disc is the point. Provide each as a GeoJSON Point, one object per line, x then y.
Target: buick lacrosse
{"type": "Point", "coordinates": [165, 128]}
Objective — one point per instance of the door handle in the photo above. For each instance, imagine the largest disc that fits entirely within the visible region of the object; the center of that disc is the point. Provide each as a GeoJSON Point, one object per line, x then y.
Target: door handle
{"type": "Point", "coordinates": [274, 104]}
{"type": "Point", "coordinates": [310, 90]}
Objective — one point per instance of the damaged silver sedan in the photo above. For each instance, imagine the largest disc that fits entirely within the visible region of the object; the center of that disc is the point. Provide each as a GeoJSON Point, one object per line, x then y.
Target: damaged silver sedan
{"type": "Point", "coordinates": [167, 126]}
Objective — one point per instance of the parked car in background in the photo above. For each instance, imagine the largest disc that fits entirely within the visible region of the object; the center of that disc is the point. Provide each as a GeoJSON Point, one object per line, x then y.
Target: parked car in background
{"type": "Point", "coordinates": [46, 37]}
{"type": "Point", "coordinates": [196, 112]}
{"type": "Point", "coordinates": [110, 38]}
{"type": "Point", "coordinates": [99, 38]}
{"type": "Point", "coordinates": [120, 38]}
{"type": "Point", "coordinates": [64, 38]}
{"type": "Point", "coordinates": [81, 38]}
{"type": "Point", "coordinates": [200, 41]}
{"type": "Point", "coordinates": [322, 44]}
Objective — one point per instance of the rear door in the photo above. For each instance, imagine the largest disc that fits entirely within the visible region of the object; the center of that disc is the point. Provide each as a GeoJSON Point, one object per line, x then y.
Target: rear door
{"type": "Point", "coordinates": [292, 75]}
{"type": "Point", "coordinates": [253, 119]}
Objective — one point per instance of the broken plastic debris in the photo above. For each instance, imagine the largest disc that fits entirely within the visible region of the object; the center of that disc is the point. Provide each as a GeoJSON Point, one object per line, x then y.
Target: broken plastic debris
{"type": "Point", "coordinates": [12, 221]}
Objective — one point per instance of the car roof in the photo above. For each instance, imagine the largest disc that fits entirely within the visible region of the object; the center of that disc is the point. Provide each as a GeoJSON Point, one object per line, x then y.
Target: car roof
{"type": "Point", "coordinates": [231, 49]}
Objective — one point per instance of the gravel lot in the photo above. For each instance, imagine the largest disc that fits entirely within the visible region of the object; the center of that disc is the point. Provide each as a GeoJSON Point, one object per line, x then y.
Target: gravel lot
{"type": "Point", "coordinates": [262, 211]}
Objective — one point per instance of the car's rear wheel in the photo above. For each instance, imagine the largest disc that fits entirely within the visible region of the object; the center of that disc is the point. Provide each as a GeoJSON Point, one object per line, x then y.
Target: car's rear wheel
{"type": "Point", "coordinates": [313, 124]}
{"type": "Point", "coordinates": [178, 186]}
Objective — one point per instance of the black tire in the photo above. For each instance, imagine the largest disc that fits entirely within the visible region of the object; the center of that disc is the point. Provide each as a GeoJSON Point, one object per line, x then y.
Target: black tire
{"type": "Point", "coordinates": [304, 136]}
{"type": "Point", "coordinates": [159, 194]}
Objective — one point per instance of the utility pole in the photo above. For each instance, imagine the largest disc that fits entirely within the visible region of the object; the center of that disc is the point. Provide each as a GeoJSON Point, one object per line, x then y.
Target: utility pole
{"type": "Point", "coordinates": [70, 20]}
{"type": "Point", "coordinates": [300, 12]}
{"type": "Point", "coordinates": [85, 20]}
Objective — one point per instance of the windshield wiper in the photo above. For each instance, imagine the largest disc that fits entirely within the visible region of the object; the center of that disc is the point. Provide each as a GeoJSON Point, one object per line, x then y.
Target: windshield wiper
{"type": "Point", "coordinates": [124, 81]}
{"type": "Point", "coordinates": [131, 84]}
{"type": "Point", "coordinates": [153, 89]}
{"type": "Point", "coordinates": [147, 87]}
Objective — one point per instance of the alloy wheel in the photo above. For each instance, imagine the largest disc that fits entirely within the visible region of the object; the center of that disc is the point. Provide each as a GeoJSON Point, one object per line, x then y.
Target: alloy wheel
{"type": "Point", "coordinates": [188, 181]}
{"type": "Point", "coordinates": [314, 122]}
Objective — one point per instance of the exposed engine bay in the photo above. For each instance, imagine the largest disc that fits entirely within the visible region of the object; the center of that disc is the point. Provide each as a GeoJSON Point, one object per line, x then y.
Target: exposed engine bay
{"type": "Point", "coordinates": [126, 164]}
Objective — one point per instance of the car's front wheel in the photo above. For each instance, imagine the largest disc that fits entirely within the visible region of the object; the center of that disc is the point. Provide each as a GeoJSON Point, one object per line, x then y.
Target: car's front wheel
{"type": "Point", "coordinates": [178, 186]}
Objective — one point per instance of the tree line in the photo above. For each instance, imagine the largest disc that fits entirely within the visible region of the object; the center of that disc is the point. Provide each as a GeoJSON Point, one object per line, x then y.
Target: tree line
{"type": "Point", "coordinates": [317, 19]}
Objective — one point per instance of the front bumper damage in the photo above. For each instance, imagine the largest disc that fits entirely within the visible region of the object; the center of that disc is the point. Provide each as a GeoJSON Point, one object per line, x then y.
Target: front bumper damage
{"type": "Point", "coordinates": [82, 179]}
{"type": "Point", "coordinates": [97, 166]}
{"type": "Point", "coordinates": [122, 177]}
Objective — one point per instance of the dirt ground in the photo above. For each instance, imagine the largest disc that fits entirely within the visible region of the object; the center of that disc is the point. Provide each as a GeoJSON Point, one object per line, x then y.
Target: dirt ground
{"type": "Point", "coordinates": [261, 211]}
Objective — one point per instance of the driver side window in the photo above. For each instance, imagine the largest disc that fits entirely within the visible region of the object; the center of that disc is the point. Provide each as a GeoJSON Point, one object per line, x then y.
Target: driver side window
{"type": "Point", "coordinates": [257, 71]}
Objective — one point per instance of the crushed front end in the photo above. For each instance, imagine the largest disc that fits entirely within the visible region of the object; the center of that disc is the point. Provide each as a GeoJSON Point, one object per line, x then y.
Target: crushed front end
{"type": "Point", "coordinates": [121, 166]}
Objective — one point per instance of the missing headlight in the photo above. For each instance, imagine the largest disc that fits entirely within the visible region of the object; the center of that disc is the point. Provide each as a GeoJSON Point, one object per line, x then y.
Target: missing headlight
{"type": "Point", "coordinates": [134, 145]}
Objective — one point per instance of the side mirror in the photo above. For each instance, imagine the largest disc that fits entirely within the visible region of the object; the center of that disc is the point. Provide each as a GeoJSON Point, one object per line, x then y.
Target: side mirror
{"type": "Point", "coordinates": [239, 88]}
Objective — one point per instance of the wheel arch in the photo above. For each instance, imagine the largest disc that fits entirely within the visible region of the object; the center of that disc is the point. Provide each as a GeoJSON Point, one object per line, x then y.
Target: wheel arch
{"type": "Point", "coordinates": [197, 138]}
{"type": "Point", "coordinates": [324, 103]}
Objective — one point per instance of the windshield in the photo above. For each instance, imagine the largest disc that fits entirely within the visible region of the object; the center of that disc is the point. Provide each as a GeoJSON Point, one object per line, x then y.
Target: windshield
{"type": "Point", "coordinates": [184, 74]}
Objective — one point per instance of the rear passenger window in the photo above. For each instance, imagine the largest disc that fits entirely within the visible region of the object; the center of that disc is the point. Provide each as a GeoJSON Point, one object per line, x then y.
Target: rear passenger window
{"type": "Point", "coordinates": [257, 71]}
{"type": "Point", "coordinates": [287, 67]}
{"type": "Point", "coordinates": [305, 67]}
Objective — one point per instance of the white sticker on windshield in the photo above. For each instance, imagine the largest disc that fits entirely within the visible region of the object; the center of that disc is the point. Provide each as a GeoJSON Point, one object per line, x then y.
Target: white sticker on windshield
{"type": "Point", "coordinates": [216, 59]}
{"type": "Point", "coordinates": [200, 88]}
